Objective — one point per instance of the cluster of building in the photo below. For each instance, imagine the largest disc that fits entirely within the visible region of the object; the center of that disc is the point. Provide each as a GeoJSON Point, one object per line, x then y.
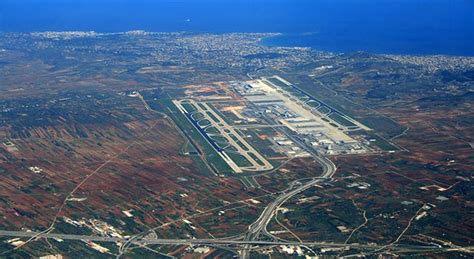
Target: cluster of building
{"type": "Point", "coordinates": [215, 50]}
{"type": "Point", "coordinates": [35, 169]}
{"type": "Point", "coordinates": [437, 62]}
{"type": "Point", "coordinates": [242, 49]}
{"type": "Point", "coordinates": [10, 146]}
{"type": "Point", "coordinates": [313, 129]}
{"type": "Point", "coordinates": [65, 34]}
{"type": "Point", "coordinates": [97, 226]}
{"type": "Point", "coordinates": [288, 147]}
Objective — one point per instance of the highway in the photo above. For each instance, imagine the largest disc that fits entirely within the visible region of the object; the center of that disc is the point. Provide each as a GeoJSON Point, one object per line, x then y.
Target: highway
{"type": "Point", "coordinates": [217, 241]}
{"type": "Point", "coordinates": [260, 225]}
{"type": "Point", "coordinates": [254, 237]}
{"type": "Point", "coordinates": [224, 242]}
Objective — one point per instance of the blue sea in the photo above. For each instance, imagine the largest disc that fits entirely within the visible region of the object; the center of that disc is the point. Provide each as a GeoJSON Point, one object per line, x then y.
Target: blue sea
{"type": "Point", "coordinates": [379, 26]}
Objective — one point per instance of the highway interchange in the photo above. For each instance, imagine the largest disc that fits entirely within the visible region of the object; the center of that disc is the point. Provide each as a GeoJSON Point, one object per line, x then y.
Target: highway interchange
{"type": "Point", "coordinates": [257, 236]}
{"type": "Point", "coordinates": [260, 225]}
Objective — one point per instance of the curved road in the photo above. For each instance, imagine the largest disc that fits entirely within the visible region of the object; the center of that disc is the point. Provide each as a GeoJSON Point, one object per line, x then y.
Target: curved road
{"type": "Point", "coordinates": [260, 225]}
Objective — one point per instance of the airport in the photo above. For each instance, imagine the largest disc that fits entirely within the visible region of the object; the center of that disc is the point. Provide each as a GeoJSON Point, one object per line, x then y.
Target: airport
{"type": "Point", "coordinates": [294, 123]}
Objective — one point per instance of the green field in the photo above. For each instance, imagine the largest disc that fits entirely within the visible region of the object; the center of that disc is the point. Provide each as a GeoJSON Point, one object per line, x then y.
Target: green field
{"type": "Point", "coordinates": [341, 120]}
{"type": "Point", "coordinates": [382, 143]}
{"type": "Point", "coordinates": [209, 153]}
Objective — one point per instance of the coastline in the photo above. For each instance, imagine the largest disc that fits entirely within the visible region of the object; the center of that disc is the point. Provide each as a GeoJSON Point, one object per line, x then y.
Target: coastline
{"type": "Point", "coordinates": [310, 40]}
{"type": "Point", "coordinates": [267, 39]}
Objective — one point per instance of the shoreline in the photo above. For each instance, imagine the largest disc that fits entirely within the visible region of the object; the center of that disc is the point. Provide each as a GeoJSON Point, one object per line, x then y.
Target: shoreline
{"type": "Point", "coordinates": [264, 40]}
{"type": "Point", "coordinates": [295, 40]}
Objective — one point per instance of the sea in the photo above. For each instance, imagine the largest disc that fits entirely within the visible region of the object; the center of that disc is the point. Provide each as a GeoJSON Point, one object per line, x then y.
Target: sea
{"type": "Point", "coordinates": [411, 27]}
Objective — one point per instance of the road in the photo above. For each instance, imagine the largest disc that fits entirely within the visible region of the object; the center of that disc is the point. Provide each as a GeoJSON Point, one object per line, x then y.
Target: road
{"type": "Point", "coordinates": [224, 242]}
{"type": "Point", "coordinates": [253, 237]}
{"type": "Point", "coordinates": [256, 228]}
{"type": "Point", "coordinates": [260, 225]}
